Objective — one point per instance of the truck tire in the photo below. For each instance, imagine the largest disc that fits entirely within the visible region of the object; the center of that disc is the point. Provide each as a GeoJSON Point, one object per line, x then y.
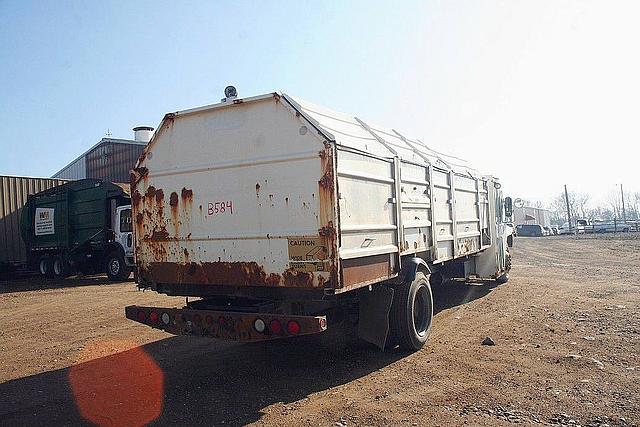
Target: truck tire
{"type": "Point", "coordinates": [60, 267]}
{"type": "Point", "coordinates": [116, 268]}
{"type": "Point", "coordinates": [503, 279]}
{"type": "Point", "coordinates": [45, 267]}
{"type": "Point", "coordinates": [411, 313]}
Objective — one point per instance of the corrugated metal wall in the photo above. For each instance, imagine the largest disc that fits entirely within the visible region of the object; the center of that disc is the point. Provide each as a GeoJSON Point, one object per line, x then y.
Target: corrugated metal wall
{"type": "Point", "coordinates": [74, 170]}
{"type": "Point", "coordinates": [110, 160]}
{"type": "Point", "coordinates": [13, 196]}
{"type": "Point", "coordinates": [113, 161]}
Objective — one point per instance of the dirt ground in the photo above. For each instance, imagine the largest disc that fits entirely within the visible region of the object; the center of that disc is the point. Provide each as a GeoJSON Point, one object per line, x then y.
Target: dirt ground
{"type": "Point", "coordinates": [567, 352]}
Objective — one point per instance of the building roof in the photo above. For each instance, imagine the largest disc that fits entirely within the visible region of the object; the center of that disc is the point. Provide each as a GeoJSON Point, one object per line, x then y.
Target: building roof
{"type": "Point", "coordinates": [103, 141]}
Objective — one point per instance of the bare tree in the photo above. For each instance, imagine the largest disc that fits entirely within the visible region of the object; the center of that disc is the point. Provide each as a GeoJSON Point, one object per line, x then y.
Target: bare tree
{"type": "Point", "coordinates": [615, 203]}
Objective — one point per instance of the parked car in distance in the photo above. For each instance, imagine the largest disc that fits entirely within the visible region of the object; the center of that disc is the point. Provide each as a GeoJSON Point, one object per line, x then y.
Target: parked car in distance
{"type": "Point", "coordinates": [547, 230]}
{"type": "Point", "coordinates": [577, 228]}
{"type": "Point", "coordinates": [610, 226]}
{"type": "Point", "coordinates": [530, 230]}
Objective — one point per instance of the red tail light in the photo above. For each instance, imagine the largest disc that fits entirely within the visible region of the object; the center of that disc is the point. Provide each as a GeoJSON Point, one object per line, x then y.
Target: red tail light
{"type": "Point", "coordinates": [153, 317]}
{"type": "Point", "coordinates": [142, 316]}
{"type": "Point", "coordinates": [275, 326]}
{"type": "Point", "coordinates": [293, 327]}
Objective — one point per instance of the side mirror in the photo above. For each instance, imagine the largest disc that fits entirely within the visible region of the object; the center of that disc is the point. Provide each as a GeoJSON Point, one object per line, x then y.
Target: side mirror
{"type": "Point", "coordinates": [508, 207]}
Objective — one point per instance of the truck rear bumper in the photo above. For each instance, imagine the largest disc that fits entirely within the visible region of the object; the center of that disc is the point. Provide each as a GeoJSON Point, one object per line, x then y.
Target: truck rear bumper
{"type": "Point", "coordinates": [226, 325]}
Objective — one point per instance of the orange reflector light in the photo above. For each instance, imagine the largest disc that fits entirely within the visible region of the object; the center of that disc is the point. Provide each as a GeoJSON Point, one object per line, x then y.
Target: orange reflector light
{"type": "Point", "coordinates": [293, 327]}
{"type": "Point", "coordinates": [275, 326]}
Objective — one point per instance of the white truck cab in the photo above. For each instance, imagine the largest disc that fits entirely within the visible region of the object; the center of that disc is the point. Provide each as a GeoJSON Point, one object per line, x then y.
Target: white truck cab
{"type": "Point", "coordinates": [120, 261]}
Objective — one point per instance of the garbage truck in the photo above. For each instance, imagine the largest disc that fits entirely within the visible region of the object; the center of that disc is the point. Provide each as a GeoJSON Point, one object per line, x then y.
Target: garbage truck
{"type": "Point", "coordinates": [278, 218]}
{"type": "Point", "coordinates": [80, 226]}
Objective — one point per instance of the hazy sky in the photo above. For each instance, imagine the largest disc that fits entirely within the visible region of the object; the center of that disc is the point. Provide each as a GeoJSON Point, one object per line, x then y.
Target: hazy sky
{"type": "Point", "coordinates": [540, 93]}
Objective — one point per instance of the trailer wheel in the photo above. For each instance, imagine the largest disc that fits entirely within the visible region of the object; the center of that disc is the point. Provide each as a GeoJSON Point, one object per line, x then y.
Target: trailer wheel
{"type": "Point", "coordinates": [116, 267]}
{"type": "Point", "coordinates": [60, 267]}
{"type": "Point", "coordinates": [412, 313]}
{"type": "Point", "coordinates": [45, 266]}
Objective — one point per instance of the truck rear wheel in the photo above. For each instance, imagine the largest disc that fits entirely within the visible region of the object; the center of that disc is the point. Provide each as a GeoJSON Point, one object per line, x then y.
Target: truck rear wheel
{"type": "Point", "coordinates": [60, 267]}
{"type": "Point", "coordinates": [412, 313]}
{"type": "Point", "coordinates": [116, 267]}
{"type": "Point", "coordinates": [45, 266]}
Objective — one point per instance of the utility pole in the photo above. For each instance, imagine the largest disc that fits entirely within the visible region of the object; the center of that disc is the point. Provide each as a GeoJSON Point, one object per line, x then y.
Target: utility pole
{"type": "Point", "coordinates": [566, 198]}
{"type": "Point", "coordinates": [624, 214]}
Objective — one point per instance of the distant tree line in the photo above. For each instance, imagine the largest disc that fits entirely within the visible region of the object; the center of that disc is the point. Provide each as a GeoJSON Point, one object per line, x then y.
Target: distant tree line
{"type": "Point", "coordinates": [580, 208]}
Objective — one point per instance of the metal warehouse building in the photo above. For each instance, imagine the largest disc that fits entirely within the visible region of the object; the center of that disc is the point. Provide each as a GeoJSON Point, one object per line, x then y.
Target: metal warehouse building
{"type": "Point", "coordinates": [531, 215]}
{"type": "Point", "coordinates": [110, 159]}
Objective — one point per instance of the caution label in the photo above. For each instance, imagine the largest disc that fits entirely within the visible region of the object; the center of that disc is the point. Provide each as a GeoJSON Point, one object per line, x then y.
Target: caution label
{"type": "Point", "coordinates": [307, 254]}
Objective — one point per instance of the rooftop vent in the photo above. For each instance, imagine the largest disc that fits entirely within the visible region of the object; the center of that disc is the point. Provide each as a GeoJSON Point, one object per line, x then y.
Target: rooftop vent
{"type": "Point", "coordinates": [142, 133]}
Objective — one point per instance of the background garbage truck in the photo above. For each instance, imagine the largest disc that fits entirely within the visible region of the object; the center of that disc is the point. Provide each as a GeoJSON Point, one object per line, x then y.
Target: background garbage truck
{"type": "Point", "coordinates": [81, 226]}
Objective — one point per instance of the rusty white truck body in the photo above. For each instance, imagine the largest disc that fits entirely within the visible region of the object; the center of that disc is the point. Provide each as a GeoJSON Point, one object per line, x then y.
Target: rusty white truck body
{"type": "Point", "coordinates": [271, 198]}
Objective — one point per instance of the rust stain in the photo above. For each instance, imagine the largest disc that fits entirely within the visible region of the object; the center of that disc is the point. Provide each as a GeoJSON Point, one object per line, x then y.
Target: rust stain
{"type": "Point", "coordinates": [160, 234]}
{"type": "Point", "coordinates": [328, 230]}
{"type": "Point", "coordinates": [326, 213]}
{"type": "Point", "coordinates": [297, 279]}
{"type": "Point", "coordinates": [187, 194]}
{"type": "Point", "coordinates": [173, 200]}
{"type": "Point", "coordinates": [136, 198]}
{"type": "Point", "coordinates": [151, 192]}
{"type": "Point", "coordinates": [257, 189]}
{"type": "Point", "coordinates": [222, 273]}
{"type": "Point", "coordinates": [159, 195]}
{"type": "Point", "coordinates": [139, 218]}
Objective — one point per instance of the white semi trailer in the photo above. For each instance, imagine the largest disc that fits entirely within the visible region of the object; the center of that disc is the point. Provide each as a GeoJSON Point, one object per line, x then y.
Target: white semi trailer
{"type": "Point", "coordinates": [286, 218]}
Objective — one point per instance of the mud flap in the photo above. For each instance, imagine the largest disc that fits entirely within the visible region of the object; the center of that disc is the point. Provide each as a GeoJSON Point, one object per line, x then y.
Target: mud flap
{"type": "Point", "coordinates": [373, 321]}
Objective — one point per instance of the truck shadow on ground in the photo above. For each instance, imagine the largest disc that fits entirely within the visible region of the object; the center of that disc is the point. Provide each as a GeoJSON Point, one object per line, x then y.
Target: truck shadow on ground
{"type": "Point", "coordinates": [453, 294]}
{"type": "Point", "coordinates": [34, 282]}
{"type": "Point", "coordinates": [190, 380]}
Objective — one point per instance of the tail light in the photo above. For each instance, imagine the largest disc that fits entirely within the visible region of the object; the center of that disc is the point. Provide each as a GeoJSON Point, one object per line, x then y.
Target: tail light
{"type": "Point", "coordinates": [153, 317]}
{"type": "Point", "coordinates": [142, 316]}
{"type": "Point", "coordinates": [275, 326]}
{"type": "Point", "coordinates": [293, 327]}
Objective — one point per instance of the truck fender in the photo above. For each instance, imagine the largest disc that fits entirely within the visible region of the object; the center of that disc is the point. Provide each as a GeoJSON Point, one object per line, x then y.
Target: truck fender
{"type": "Point", "coordinates": [410, 267]}
{"type": "Point", "coordinates": [114, 246]}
